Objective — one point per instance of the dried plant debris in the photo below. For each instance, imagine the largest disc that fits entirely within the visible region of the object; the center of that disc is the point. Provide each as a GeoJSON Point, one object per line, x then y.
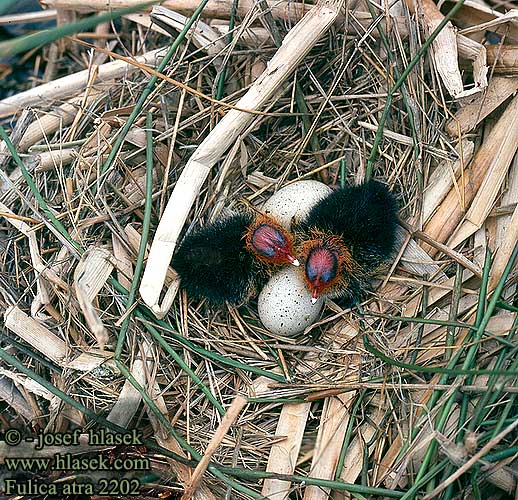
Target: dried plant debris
{"type": "Point", "coordinates": [119, 142]}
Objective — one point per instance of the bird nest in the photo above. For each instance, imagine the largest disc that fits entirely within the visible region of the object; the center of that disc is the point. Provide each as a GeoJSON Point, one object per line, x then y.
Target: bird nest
{"type": "Point", "coordinates": [409, 394]}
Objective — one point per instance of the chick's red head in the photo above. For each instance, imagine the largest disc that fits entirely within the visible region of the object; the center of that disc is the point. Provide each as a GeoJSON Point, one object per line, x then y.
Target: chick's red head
{"type": "Point", "coordinates": [326, 259]}
{"type": "Point", "coordinates": [321, 270]}
{"type": "Point", "coordinates": [270, 243]}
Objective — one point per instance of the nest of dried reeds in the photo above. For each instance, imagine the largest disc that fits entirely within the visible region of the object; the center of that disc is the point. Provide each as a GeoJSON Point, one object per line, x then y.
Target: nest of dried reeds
{"type": "Point", "coordinates": [155, 122]}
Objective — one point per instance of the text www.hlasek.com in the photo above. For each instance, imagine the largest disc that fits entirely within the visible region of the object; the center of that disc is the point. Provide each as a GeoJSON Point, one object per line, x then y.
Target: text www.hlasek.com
{"type": "Point", "coordinates": [68, 462]}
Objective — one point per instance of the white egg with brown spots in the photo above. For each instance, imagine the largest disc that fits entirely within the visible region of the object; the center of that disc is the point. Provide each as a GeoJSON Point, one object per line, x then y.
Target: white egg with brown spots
{"type": "Point", "coordinates": [284, 304]}
{"type": "Point", "coordinates": [291, 203]}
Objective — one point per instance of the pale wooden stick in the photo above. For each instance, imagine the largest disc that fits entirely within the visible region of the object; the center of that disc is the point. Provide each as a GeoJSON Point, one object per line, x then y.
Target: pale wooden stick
{"type": "Point", "coordinates": [71, 84]}
{"type": "Point", "coordinates": [295, 46]}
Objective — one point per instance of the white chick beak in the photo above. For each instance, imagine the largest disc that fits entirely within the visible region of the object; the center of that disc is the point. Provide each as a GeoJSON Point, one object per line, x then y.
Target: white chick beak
{"type": "Point", "coordinates": [293, 260]}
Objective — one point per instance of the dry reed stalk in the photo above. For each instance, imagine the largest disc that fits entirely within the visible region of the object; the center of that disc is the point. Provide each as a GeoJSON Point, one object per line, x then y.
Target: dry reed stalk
{"type": "Point", "coordinates": [499, 89]}
{"type": "Point", "coordinates": [292, 422]}
{"type": "Point", "coordinates": [145, 20]}
{"type": "Point", "coordinates": [283, 454]}
{"type": "Point", "coordinates": [294, 47]}
{"type": "Point", "coordinates": [253, 37]}
{"type": "Point", "coordinates": [13, 398]}
{"type": "Point", "coordinates": [44, 126]}
{"type": "Point", "coordinates": [476, 53]}
{"type": "Point", "coordinates": [331, 433]}
{"type": "Point", "coordinates": [29, 386]}
{"type": "Point", "coordinates": [434, 294]}
{"type": "Point", "coordinates": [354, 458]}
{"type": "Point", "coordinates": [334, 419]}
{"type": "Point", "coordinates": [50, 160]}
{"type": "Point", "coordinates": [496, 325]}
{"type": "Point", "coordinates": [504, 24]}
{"type": "Point", "coordinates": [201, 34]}
{"type": "Point", "coordinates": [123, 261]}
{"type": "Point", "coordinates": [386, 471]}
{"type": "Point", "coordinates": [28, 17]}
{"type": "Point", "coordinates": [505, 225]}
{"type": "Point", "coordinates": [501, 476]}
{"type": "Point", "coordinates": [444, 47]}
{"type": "Point", "coordinates": [475, 17]}
{"type": "Point", "coordinates": [288, 11]}
{"type": "Point", "coordinates": [172, 280]}
{"type": "Point", "coordinates": [503, 59]}
{"type": "Point", "coordinates": [43, 340]}
{"type": "Point", "coordinates": [442, 178]}
{"type": "Point", "coordinates": [90, 276]}
{"type": "Point", "coordinates": [414, 258]}
{"type": "Point", "coordinates": [66, 86]}
{"type": "Point", "coordinates": [504, 251]}
{"type": "Point", "coordinates": [43, 273]}
{"type": "Point", "coordinates": [456, 256]}
{"type": "Point", "coordinates": [282, 9]}
{"type": "Point", "coordinates": [129, 399]}
{"type": "Point", "coordinates": [494, 150]}
{"type": "Point", "coordinates": [502, 155]}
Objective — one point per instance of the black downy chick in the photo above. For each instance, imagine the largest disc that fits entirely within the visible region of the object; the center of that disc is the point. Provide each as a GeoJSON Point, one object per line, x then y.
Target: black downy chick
{"type": "Point", "coordinates": [346, 238]}
{"type": "Point", "coordinates": [230, 259]}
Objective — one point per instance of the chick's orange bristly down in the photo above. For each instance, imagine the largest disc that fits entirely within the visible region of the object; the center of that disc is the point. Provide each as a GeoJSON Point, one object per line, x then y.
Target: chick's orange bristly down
{"type": "Point", "coordinates": [230, 259]}
{"type": "Point", "coordinates": [346, 238]}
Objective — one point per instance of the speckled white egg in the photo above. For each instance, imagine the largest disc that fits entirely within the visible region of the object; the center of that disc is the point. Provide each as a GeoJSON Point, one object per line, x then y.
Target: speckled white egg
{"type": "Point", "coordinates": [284, 304]}
{"type": "Point", "coordinates": [294, 201]}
